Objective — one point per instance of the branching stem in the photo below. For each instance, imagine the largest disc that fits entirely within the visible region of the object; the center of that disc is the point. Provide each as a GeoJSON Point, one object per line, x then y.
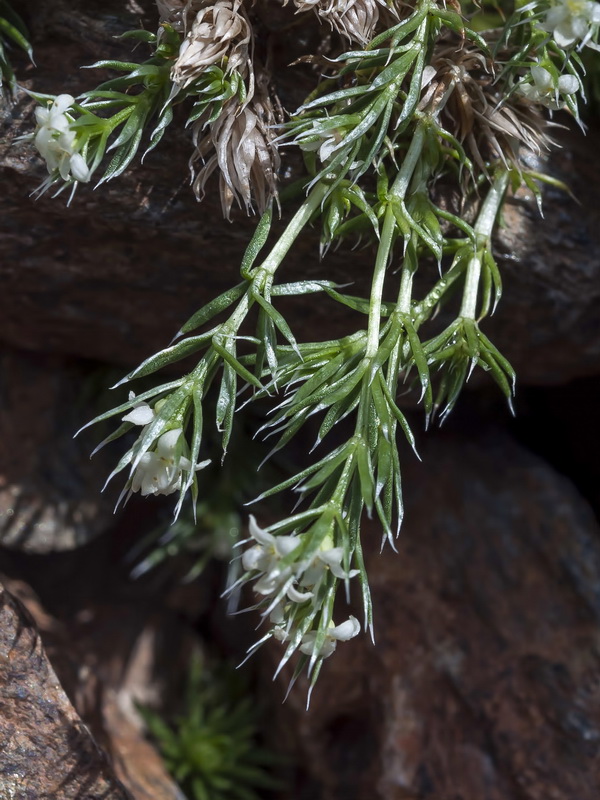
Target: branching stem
{"type": "Point", "coordinates": [397, 192]}
{"type": "Point", "coordinates": [294, 228]}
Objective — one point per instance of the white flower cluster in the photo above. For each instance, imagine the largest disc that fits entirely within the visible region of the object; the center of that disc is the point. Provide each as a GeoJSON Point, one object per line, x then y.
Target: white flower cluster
{"type": "Point", "coordinates": [572, 21]}
{"type": "Point", "coordinates": [297, 582]}
{"type": "Point", "coordinates": [159, 471]}
{"type": "Point", "coordinates": [57, 143]}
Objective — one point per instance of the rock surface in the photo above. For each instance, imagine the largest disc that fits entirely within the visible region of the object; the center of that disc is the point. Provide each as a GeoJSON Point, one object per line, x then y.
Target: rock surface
{"type": "Point", "coordinates": [45, 749]}
{"type": "Point", "coordinates": [108, 657]}
{"type": "Point", "coordinates": [483, 684]}
{"type": "Point", "coordinates": [50, 496]}
{"type": "Point", "coordinates": [114, 276]}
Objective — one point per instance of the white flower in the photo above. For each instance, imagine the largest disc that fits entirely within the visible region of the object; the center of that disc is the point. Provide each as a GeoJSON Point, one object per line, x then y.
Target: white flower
{"type": "Point", "coordinates": [571, 21]}
{"type": "Point", "coordinates": [338, 633]}
{"type": "Point", "coordinates": [326, 143]}
{"type": "Point", "coordinates": [54, 116]}
{"type": "Point", "coordinates": [543, 89]}
{"type": "Point", "coordinates": [160, 471]}
{"type": "Point", "coordinates": [57, 143]}
{"type": "Point", "coordinates": [265, 557]}
{"type": "Point", "coordinates": [140, 414]}
{"type": "Point", "coordinates": [326, 559]}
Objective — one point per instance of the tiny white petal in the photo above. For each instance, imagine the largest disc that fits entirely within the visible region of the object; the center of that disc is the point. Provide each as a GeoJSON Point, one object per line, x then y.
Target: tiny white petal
{"type": "Point", "coordinates": [43, 141]}
{"type": "Point", "coordinates": [347, 630]}
{"type": "Point", "coordinates": [167, 442]}
{"type": "Point", "coordinates": [286, 544]}
{"type": "Point", "coordinates": [298, 597]}
{"type": "Point", "coordinates": [64, 168]}
{"type": "Point", "coordinates": [327, 148]}
{"type": "Point", "coordinates": [142, 415]}
{"type": "Point", "coordinates": [269, 583]}
{"type": "Point", "coordinates": [308, 645]}
{"type": "Point", "coordinates": [59, 122]}
{"type": "Point", "coordinates": [579, 27]}
{"type": "Point", "coordinates": [542, 78]}
{"type": "Point", "coordinates": [42, 115]}
{"type": "Point", "coordinates": [258, 534]}
{"type": "Point", "coordinates": [563, 35]}
{"type": "Point", "coordinates": [79, 169]}
{"type": "Point", "coordinates": [253, 558]}
{"type": "Point", "coordinates": [62, 102]}
{"type": "Point", "coordinates": [277, 615]}
{"type": "Point", "coordinates": [554, 17]}
{"type": "Point", "coordinates": [568, 84]}
{"type": "Point", "coordinates": [529, 91]}
{"type": "Point", "coordinates": [332, 556]}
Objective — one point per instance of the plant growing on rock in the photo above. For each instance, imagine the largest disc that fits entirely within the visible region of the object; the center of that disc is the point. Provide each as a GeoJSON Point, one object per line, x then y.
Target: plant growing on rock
{"type": "Point", "coordinates": [212, 748]}
{"type": "Point", "coordinates": [415, 97]}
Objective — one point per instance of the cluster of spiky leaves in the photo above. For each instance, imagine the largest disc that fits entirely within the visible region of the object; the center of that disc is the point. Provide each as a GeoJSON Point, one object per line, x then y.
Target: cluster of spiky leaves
{"type": "Point", "coordinates": [111, 120]}
{"type": "Point", "coordinates": [427, 98]}
{"type": "Point", "coordinates": [212, 748]}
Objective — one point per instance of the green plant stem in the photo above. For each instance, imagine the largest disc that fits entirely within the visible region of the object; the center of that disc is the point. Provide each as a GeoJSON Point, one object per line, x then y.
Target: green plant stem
{"type": "Point", "coordinates": [483, 232]}
{"type": "Point", "coordinates": [293, 229]}
{"type": "Point", "coordinates": [423, 309]}
{"type": "Point", "coordinates": [405, 291]}
{"type": "Point", "coordinates": [266, 270]}
{"type": "Point", "coordinates": [397, 192]}
{"type": "Point", "coordinates": [402, 180]}
{"type": "Point", "coordinates": [381, 264]}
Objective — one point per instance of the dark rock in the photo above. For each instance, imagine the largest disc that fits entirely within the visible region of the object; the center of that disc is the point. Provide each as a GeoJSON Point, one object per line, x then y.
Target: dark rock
{"type": "Point", "coordinates": [49, 489]}
{"type": "Point", "coordinates": [137, 658]}
{"type": "Point", "coordinates": [483, 684]}
{"type": "Point", "coordinates": [115, 275]}
{"type": "Point", "coordinates": [110, 658]}
{"type": "Point", "coordinates": [547, 323]}
{"type": "Point", "coordinates": [47, 751]}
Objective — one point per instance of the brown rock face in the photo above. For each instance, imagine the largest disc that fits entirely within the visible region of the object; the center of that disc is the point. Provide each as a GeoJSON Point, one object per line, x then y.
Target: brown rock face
{"type": "Point", "coordinates": [49, 488]}
{"type": "Point", "coordinates": [109, 658]}
{"type": "Point", "coordinates": [46, 752]}
{"type": "Point", "coordinates": [115, 275]}
{"type": "Point", "coordinates": [483, 684]}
